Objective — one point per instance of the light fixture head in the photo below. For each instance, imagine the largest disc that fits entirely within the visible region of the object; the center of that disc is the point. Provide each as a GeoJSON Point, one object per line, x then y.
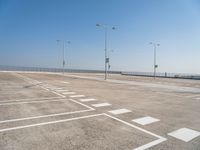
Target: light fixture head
{"type": "Point", "coordinates": [98, 25]}
{"type": "Point", "coordinates": [114, 28]}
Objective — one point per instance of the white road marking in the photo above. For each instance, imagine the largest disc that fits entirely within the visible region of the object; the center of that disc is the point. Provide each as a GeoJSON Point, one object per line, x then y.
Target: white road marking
{"type": "Point", "coordinates": [145, 120]}
{"type": "Point", "coordinates": [184, 134]}
{"type": "Point", "coordinates": [69, 93]}
{"type": "Point", "coordinates": [119, 111]}
{"type": "Point", "coordinates": [82, 104]}
{"type": "Point", "coordinates": [44, 116]}
{"type": "Point", "coordinates": [62, 90]}
{"type": "Point", "coordinates": [151, 144]}
{"type": "Point", "coordinates": [51, 115]}
{"type": "Point", "coordinates": [87, 100]}
{"type": "Point", "coordinates": [57, 93]}
{"type": "Point", "coordinates": [101, 104]}
{"type": "Point", "coordinates": [66, 82]}
{"type": "Point", "coordinates": [76, 96]}
{"type": "Point", "coordinates": [49, 86]}
{"type": "Point", "coordinates": [197, 98]}
{"type": "Point", "coordinates": [148, 145]}
{"type": "Point", "coordinates": [57, 88]}
{"type": "Point", "coordinates": [46, 123]}
{"type": "Point", "coordinates": [30, 102]}
{"type": "Point", "coordinates": [192, 96]}
{"type": "Point", "coordinates": [143, 147]}
{"type": "Point", "coordinates": [27, 99]}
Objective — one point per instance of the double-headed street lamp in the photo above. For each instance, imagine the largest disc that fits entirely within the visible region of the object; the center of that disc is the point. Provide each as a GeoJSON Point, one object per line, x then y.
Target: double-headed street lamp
{"type": "Point", "coordinates": [105, 27]}
{"type": "Point", "coordinates": [63, 52]}
{"type": "Point", "coordinates": [155, 45]}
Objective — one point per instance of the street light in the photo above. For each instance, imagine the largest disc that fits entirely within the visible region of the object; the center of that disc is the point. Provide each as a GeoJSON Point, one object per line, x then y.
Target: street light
{"type": "Point", "coordinates": [63, 52]}
{"type": "Point", "coordinates": [105, 27]}
{"type": "Point", "coordinates": [155, 65]}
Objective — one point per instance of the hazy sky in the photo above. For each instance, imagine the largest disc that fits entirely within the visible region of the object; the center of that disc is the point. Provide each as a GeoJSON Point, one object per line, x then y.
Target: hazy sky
{"type": "Point", "coordinates": [29, 30]}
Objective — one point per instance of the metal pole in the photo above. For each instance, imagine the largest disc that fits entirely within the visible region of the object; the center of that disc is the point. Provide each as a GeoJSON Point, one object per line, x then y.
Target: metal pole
{"type": "Point", "coordinates": [105, 27]}
{"type": "Point", "coordinates": [154, 61]}
{"type": "Point", "coordinates": [109, 57]}
{"type": "Point", "coordinates": [63, 57]}
{"type": "Point", "coordinates": [105, 53]}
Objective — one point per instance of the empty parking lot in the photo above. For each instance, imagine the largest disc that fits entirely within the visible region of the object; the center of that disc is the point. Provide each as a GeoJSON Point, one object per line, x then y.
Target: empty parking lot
{"type": "Point", "coordinates": [84, 112]}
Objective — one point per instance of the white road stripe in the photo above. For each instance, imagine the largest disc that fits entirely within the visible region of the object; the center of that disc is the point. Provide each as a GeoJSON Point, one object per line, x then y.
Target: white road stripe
{"type": "Point", "coordinates": [30, 102]}
{"type": "Point", "coordinates": [69, 93]}
{"type": "Point", "coordinates": [191, 96]}
{"type": "Point", "coordinates": [76, 96]}
{"type": "Point", "coordinates": [87, 100]}
{"type": "Point", "coordinates": [119, 111]}
{"type": "Point", "coordinates": [46, 123]}
{"type": "Point", "coordinates": [52, 115]}
{"type": "Point", "coordinates": [62, 90]}
{"type": "Point", "coordinates": [101, 104]}
{"type": "Point", "coordinates": [185, 134]}
{"type": "Point", "coordinates": [57, 88]}
{"type": "Point", "coordinates": [143, 147]}
{"type": "Point", "coordinates": [66, 82]}
{"type": "Point", "coordinates": [145, 120]}
{"type": "Point", "coordinates": [45, 116]}
{"type": "Point", "coordinates": [151, 144]}
{"type": "Point", "coordinates": [27, 99]}
{"type": "Point", "coordinates": [57, 93]}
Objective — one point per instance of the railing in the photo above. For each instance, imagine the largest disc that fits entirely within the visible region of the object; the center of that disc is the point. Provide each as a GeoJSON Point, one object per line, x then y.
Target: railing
{"type": "Point", "coordinates": [41, 69]}
{"type": "Point", "coordinates": [164, 75]}
{"type": "Point", "coordinates": [145, 74]}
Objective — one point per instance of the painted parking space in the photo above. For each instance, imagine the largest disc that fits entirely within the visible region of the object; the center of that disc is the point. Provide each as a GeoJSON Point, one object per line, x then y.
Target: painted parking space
{"type": "Point", "coordinates": [116, 139]}
{"type": "Point", "coordinates": [35, 109]}
{"type": "Point", "coordinates": [88, 112]}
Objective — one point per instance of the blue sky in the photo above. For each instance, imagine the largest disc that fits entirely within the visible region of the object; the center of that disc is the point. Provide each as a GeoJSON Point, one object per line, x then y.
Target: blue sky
{"type": "Point", "coordinates": [29, 30]}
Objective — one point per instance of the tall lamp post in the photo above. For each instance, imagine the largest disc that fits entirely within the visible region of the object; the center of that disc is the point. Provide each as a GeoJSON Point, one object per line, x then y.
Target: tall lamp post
{"type": "Point", "coordinates": [105, 27]}
{"type": "Point", "coordinates": [63, 52]}
{"type": "Point", "coordinates": [155, 45]}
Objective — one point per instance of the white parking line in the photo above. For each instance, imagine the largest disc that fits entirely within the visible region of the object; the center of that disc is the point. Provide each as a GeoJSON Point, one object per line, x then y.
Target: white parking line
{"type": "Point", "coordinates": [62, 90]}
{"type": "Point", "coordinates": [76, 96]}
{"type": "Point", "coordinates": [146, 146]}
{"type": "Point", "coordinates": [101, 104]}
{"type": "Point", "coordinates": [46, 123]}
{"type": "Point", "coordinates": [69, 93]}
{"type": "Point", "coordinates": [119, 111]}
{"type": "Point", "coordinates": [30, 102]}
{"type": "Point", "coordinates": [145, 120]}
{"type": "Point", "coordinates": [52, 115]}
{"type": "Point", "coordinates": [143, 147]}
{"type": "Point", "coordinates": [66, 82]}
{"type": "Point", "coordinates": [27, 99]}
{"type": "Point", "coordinates": [57, 94]}
{"type": "Point", "coordinates": [185, 134]}
{"type": "Point", "coordinates": [45, 116]}
{"type": "Point", "coordinates": [87, 100]}
{"type": "Point", "coordinates": [57, 88]}
{"type": "Point", "coordinates": [49, 86]}
{"type": "Point", "coordinates": [151, 144]}
{"type": "Point", "coordinates": [192, 96]}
